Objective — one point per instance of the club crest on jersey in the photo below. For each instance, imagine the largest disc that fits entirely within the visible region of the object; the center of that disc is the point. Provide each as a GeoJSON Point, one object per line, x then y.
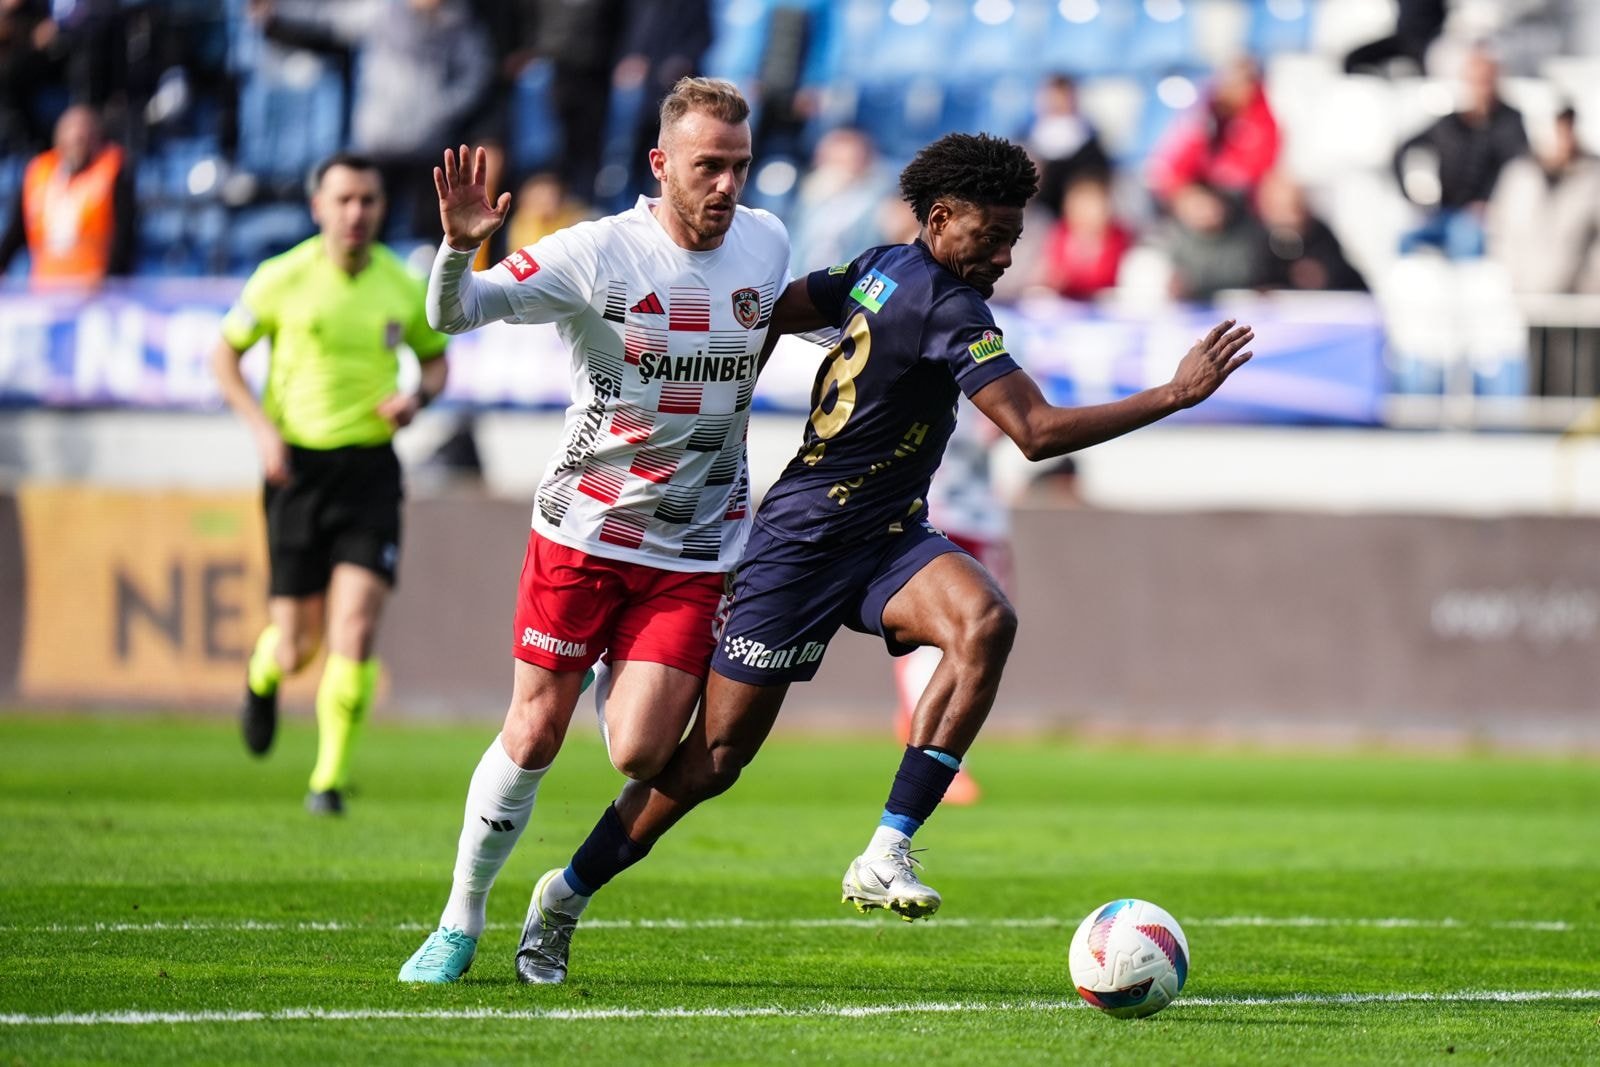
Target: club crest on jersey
{"type": "Point", "coordinates": [988, 346]}
{"type": "Point", "coordinates": [521, 265]}
{"type": "Point", "coordinates": [393, 334]}
{"type": "Point", "coordinates": [873, 290]}
{"type": "Point", "coordinates": [747, 307]}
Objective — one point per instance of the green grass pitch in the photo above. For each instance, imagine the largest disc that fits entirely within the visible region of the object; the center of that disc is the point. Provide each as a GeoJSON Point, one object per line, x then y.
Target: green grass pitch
{"type": "Point", "coordinates": [165, 899]}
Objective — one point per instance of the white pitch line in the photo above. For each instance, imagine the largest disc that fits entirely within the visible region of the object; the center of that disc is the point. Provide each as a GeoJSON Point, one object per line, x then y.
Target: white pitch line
{"type": "Point", "coordinates": [735, 923]}
{"type": "Point", "coordinates": [855, 1011]}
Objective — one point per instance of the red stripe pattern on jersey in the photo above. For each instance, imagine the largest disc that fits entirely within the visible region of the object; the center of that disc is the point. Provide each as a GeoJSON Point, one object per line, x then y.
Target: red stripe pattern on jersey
{"type": "Point", "coordinates": [623, 528]}
{"type": "Point", "coordinates": [690, 309]}
{"type": "Point", "coordinates": [603, 482]}
{"type": "Point", "coordinates": [637, 338]}
{"type": "Point", "coordinates": [632, 424]}
{"type": "Point", "coordinates": [656, 464]}
{"type": "Point", "coordinates": [681, 398]}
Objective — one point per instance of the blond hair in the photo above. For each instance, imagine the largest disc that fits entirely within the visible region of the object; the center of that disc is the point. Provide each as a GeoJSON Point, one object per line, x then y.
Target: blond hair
{"type": "Point", "coordinates": [710, 96]}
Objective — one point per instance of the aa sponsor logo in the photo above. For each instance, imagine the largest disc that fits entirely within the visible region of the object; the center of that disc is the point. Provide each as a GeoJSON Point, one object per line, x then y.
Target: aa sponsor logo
{"type": "Point", "coordinates": [532, 638]}
{"type": "Point", "coordinates": [753, 653]}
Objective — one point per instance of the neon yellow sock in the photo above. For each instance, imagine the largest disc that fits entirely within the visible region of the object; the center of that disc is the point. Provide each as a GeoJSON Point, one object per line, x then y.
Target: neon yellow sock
{"type": "Point", "coordinates": [343, 699]}
{"type": "Point", "coordinates": [264, 672]}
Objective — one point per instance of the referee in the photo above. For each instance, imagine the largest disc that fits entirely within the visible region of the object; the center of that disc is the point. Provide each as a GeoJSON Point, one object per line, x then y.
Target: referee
{"type": "Point", "coordinates": [334, 308]}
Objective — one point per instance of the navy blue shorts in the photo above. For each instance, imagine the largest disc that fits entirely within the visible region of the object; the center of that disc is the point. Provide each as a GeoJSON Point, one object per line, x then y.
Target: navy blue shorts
{"type": "Point", "coordinates": [791, 597]}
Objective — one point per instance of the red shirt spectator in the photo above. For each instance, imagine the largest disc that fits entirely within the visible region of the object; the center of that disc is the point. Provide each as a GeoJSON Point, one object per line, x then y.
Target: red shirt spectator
{"type": "Point", "coordinates": [1084, 251]}
{"type": "Point", "coordinates": [1229, 142]}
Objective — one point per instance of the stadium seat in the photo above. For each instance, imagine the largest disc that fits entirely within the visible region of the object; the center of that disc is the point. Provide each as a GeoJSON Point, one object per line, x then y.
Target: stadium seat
{"type": "Point", "coordinates": [1166, 96]}
{"type": "Point", "coordinates": [1163, 37]}
{"type": "Point", "coordinates": [179, 239]}
{"type": "Point", "coordinates": [254, 233]}
{"type": "Point", "coordinates": [1280, 26]}
{"type": "Point", "coordinates": [1115, 106]}
{"type": "Point", "coordinates": [1094, 41]}
{"type": "Point", "coordinates": [999, 38]}
{"type": "Point", "coordinates": [913, 38]}
{"type": "Point", "coordinates": [535, 131]}
{"type": "Point", "coordinates": [290, 115]}
{"type": "Point", "coordinates": [738, 38]}
{"type": "Point", "coordinates": [902, 117]}
{"type": "Point", "coordinates": [1009, 109]}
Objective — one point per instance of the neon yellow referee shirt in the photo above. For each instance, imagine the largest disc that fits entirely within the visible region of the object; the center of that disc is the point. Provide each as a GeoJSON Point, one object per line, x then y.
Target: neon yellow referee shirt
{"type": "Point", "coordinates": [333, 341]}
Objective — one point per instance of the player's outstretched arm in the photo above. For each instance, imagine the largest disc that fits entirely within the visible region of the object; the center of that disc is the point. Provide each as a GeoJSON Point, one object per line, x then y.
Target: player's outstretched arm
{"type": "Point", "coordinates": [464, 209]}
{"type": "Point", "coordinates": [1015, 404]}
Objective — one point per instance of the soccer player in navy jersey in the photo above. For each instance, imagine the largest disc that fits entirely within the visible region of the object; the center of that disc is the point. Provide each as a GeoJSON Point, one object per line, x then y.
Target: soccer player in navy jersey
{"type": "Point", "coordinates": [842, 538]}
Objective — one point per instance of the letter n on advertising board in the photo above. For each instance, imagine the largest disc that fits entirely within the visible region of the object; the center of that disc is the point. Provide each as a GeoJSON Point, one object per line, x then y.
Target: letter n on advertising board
{"type": "Point", "coordinates": [145, 597]}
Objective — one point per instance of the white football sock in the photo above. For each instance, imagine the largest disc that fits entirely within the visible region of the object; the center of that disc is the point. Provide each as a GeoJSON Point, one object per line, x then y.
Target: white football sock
{"type": "Point", "coordinates": [499, 801]}
{"type": "Point", "coordinates": [884, 839]}
{"type": "Point", "coordinates": [559, 896]}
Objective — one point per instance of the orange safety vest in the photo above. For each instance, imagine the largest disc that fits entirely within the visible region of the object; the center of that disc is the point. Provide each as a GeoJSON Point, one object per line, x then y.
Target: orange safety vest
{"type": "Point", "coordinates": [68, 219]}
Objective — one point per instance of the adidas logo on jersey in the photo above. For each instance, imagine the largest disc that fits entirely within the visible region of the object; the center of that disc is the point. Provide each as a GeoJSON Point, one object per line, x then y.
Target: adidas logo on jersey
{"type": "Point", "coordinates": [650, 305]}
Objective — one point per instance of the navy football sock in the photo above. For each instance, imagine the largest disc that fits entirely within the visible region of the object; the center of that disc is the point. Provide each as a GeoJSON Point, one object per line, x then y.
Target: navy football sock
{"type": "Point", "coordinates": [919, 785]}
{"type": "Point", "coordinates": [604, 854]}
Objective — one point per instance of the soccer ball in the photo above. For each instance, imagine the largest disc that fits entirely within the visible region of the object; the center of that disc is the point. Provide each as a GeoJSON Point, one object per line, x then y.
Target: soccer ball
{"type": "Point", "coordinates": [1129, 958]}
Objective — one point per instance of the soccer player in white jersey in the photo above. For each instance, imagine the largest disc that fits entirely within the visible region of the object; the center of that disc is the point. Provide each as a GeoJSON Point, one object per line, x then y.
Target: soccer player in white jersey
{"type": "Point", "coordinates": [644, 509]}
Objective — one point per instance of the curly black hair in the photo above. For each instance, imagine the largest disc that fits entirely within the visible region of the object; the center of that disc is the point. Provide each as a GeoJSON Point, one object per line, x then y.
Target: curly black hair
{"type": "Point", "coordinates": [976, 169]}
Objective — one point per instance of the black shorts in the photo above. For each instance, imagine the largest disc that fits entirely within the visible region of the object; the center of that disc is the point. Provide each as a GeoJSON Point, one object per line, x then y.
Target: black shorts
{"type": "Point", "coordinates": [341, 505]}
{"type": "Point", "coordinates": [791, 597]}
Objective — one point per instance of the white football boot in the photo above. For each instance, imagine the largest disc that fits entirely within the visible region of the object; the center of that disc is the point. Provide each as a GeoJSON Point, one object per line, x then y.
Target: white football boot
{"type": "Point", "coordinates": [889, 880]}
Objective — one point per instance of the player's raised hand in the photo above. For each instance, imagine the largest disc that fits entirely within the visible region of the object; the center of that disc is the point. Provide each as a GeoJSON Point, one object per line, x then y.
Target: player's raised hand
{"type": "Point", "coordinates": [1208, 364]}
{"type": "Point", "coordinates": [464, 207]}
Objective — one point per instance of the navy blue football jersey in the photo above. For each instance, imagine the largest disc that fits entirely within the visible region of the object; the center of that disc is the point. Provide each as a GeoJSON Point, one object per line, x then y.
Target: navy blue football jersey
{"type": "Point", "coordinates": [913, 335]}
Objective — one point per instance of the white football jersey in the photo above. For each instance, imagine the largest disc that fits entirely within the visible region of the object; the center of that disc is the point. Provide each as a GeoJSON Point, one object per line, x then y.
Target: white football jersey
{"type": "Point", "coordinates": [665, 346]}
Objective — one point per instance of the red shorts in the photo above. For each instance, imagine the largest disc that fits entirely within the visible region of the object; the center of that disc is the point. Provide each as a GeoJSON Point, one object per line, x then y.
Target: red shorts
{"type": "Point", "coordinates": [572, 606]}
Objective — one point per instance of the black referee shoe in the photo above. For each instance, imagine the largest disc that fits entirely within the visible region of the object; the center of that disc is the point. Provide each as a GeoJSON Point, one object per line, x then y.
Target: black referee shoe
{"type": "Point", "coordinates": [327, 802]}
{"type": "Point", "coordinates": [259, 721]}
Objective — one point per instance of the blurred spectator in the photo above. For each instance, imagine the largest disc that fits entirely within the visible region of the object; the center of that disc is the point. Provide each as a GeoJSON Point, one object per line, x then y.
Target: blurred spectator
{"type": "Point", "coordinates": [1062, 142]}
{"type": "Point", "coordinates": [1299, 251]}
{"type": "Point", "coordinates": [793, 65]}
{"type": "Point", "coordinates": [76, 211]}
{"type": "Point", "coordinates": [542, 207]}
{"type": "Point", "coordinates": [1229, 141]}
{"type": "Point", "coordinates": [95, 45]}
{"type": "Point", "coordinates": [1544, 218]}
{"type": "Point", "coordinates": [580, 39]}
{"type": "Point", "coordinates": [27, 65]}
{"type": "Point", "coordinates": [1214, 243]}
{"type": "Point", "coordinates": [511, 28]}
{"type": "Point", "coordinates": [1450, 169]}
{"type": "Point", "coordinates": [1419, 22]}
{"type": "Point", "coordinates": [835, 214]}
{"type": "Point", "coordinates": [664, 41]}
{"type": "Point", "coordinates": [1084, 250]}
{"type": "Point", "coordinates": [422, 66]}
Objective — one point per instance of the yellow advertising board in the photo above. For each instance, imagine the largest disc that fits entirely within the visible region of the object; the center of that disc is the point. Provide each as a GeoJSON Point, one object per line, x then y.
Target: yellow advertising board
{"type": "Point", "coordinates": [140, 595]}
